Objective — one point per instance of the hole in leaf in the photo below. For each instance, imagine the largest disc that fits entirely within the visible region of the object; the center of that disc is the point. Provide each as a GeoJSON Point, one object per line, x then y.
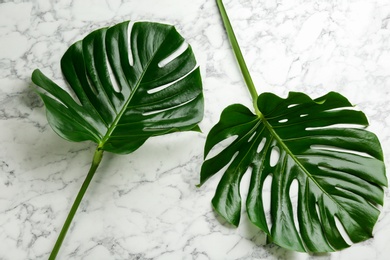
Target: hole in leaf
{"type": "Point", "coordinates": [342, 231]}
{"type": "Point", "coordinates": [245, 183]}
{"type": "Point", "coordinates": [91, 85]}
{"type": "Point", "coordinates": [223, 169]}
{"type": "Point", "coordinates": [250, 138]}
{"type": "Point", "coordinates": [162, 87]}
{"type": "Point", "coordinates": [274, 157]}
{"type": "Point", "coordinates": [261, 145]}
{"type": "Point", "coordinates": [292, 105]}
{"type": "Point", "coordinates": [335, 126]}
{"type": "Point", "coordinates": [318, 211]}
{"type": "Point", "coordinates": [68, 90]}
{"type": "Point", "coordinates": [283, 120]}
{"type": "Point", "coordinates": [130, 52]}
{"type": "Point", "coordinates": [337, 149]}
{"type": "Point", "coordinates": [114, 82]}
{"type": "Point", "coordinates": [71, 93]}
{"type": "Point", "coordinates": [337, 187]}
{"type": "Point", "coordinates": [173, 55]}
{"type": "Point", "coordinates": [342, 108]}
{"type": "Point", "coordinates": [153, 112]}
{"type": "Point", "coordinates": [226, 166]}
{"type": "Point", "coordinates": [221, 146]}
{"type": "Point", "coordinates": [148, 113]}
{"type": "Point", "coordinates": [324, 168]}
{"type": "Point", "coordinates": [155, 90]}
{"type": "Point", "coordinates": [266, 195]}
{"type": "Point", "coordinates": [293, 194]}
{"type": "Point", "coordinates": [304, 115]}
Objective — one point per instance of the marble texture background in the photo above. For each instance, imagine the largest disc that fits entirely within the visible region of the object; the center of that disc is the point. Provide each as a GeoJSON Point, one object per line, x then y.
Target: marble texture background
{"type": "Point", "coordinates": [145, 205]}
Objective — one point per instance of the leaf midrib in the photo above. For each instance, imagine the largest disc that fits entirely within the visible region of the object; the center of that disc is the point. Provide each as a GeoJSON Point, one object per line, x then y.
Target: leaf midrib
{"type": "Point", "coordinates": [126, 104]}
{"type": "Point", "coordinates": [296, 160]}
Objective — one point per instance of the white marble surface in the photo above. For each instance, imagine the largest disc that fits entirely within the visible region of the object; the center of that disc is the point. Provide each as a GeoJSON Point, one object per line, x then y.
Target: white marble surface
{"type": "Point", "coordinates": [145, 205]}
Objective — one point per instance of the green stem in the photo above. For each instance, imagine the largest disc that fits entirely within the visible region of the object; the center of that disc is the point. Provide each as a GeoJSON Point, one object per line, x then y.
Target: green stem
{"type": "Point", "coordinates": [239, 56]}
{"type": "Point", "coordinates": [97, 157]}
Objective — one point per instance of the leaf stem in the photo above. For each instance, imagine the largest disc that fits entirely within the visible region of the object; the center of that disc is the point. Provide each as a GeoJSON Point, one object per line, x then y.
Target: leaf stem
{"type": "Point", "coordinates": [238, 54]}
{"type": "Point", "coordinates": [97, 157]}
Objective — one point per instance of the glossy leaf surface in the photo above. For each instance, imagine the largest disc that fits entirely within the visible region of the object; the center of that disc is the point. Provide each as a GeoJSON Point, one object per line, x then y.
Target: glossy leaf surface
{"type": "Point", "coordinates": [322, 144]}
{"type": "Point", "coordinates": [131, 82]}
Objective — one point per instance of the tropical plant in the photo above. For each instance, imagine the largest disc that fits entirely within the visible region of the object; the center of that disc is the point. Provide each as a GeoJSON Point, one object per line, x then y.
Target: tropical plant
{"type": "Point", "coordinates": [132, 81]}
{"type": "Point", "coordinates": [321, 144]}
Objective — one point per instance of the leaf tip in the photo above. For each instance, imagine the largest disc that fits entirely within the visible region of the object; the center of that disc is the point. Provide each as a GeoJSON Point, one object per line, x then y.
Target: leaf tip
{"type": "Point", "coordinates": [196, 128]}
{"type": "Point", "coordinates": [231, 218]}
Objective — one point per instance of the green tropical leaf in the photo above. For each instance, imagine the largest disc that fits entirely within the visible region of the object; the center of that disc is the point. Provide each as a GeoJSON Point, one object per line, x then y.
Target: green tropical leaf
{"type": "Point", "coordinates": [128, 87]}
{"type": "Point", "coordinates": [131, 82]}
{"type": "Point", "coordinates": [322, 144]}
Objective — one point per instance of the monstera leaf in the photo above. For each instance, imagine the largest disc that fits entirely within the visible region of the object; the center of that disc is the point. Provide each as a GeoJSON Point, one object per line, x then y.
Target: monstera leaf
{"type": "Point", "coordinates": [131, 82]}
{"type": "Point", "coordinates": [152, 97]}
{"type": "Point", "coordinates": [320, 144]}
{"type": "Point", "coordinates": [339, 170]}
